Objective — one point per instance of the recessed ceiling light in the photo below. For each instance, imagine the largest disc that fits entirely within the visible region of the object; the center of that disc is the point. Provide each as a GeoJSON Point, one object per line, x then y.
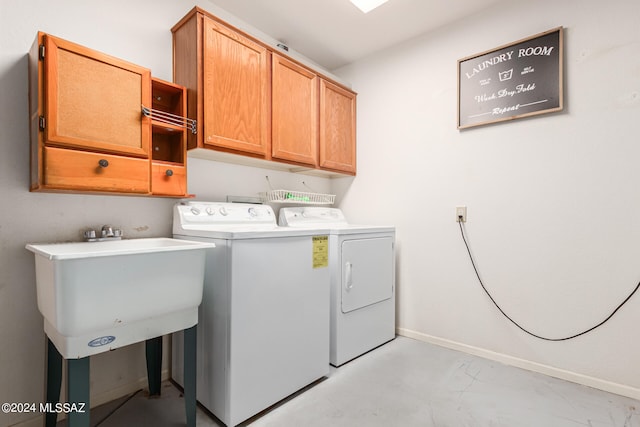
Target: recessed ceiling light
{"type": "Point", "coordinates": [367, 5]}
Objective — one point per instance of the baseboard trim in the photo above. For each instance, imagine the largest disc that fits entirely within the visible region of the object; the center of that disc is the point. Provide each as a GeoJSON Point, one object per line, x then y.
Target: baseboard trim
{"type": "Point", "coordinates": [101, 399]}
{"type": "Point", "coordinates": [600, 384]}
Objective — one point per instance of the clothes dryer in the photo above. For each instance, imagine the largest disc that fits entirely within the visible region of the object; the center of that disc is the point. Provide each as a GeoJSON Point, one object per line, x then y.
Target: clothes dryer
{"type": "Point", "coordinates": [362, 263]}
{"type": "Point", "coordinates": [263, 330]}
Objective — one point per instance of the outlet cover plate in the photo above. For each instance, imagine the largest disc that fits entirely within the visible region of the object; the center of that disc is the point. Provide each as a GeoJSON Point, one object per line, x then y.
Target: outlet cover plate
{"type": "Point", "coordinates": [461, 211]}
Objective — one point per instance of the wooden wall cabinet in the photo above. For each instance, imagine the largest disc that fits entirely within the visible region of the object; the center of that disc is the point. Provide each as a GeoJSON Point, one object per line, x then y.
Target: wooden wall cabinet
{"type": "Point", "coordinates": [260, 104]}
{"type": "Point", "coordinates": [227, 76]}
{"type": "Point", "coordinates": [88, 133]}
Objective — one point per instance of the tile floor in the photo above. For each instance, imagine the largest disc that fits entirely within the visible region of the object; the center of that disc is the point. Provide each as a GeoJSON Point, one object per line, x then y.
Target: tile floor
{"type": "Point", "coordinates": [408, 383]}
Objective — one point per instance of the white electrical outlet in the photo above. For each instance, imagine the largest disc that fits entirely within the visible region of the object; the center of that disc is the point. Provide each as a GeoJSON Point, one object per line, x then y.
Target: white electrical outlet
{"type": "Point", "coordinates": [461, 214]}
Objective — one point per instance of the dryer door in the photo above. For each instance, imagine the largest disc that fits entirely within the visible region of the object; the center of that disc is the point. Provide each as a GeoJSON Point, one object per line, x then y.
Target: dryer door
{"type": "Point", "coordinates": [367, 272]}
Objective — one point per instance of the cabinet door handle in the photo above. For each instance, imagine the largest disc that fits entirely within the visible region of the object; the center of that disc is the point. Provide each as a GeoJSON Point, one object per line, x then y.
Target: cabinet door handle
{"type": "Point", "coordinates": [103, 163]}
{"type": "Point", "coordinates": [169, 172]}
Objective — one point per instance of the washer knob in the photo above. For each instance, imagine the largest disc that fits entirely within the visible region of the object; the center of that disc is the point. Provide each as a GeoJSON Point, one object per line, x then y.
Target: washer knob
{"type": "Point", "coordinates": [253, 212]}
{"type": "Point", "coordinates": [223, 211]}
{"type": "Point", "coordinates": [195, 211]}
{"type": "Point", "coordinates": [210, 211]}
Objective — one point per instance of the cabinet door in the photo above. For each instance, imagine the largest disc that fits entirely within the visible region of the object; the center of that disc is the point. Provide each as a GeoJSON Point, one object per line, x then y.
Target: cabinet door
{"type": "Point", "coordinates": [294, 108]}
{"type": "Point", "coordinates": [337, 128]}
{"type": "Point", "coordinates": [93, 101]}
{"type": "Point", "coordinates": [236, 91]}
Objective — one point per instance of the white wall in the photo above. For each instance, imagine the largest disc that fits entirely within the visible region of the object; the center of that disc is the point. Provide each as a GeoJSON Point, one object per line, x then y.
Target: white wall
{"type": "Point", "coordinates": [553, 206]}
{"type": "Point", "coordinates": [137, 31]}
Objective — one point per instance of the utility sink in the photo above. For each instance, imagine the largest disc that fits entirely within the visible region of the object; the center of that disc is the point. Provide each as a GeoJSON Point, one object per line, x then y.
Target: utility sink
{"type": "Point", "coordinates": [98, 296]}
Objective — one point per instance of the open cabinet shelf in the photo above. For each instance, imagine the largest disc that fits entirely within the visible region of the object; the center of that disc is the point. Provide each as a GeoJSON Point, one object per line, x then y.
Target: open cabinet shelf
{"type": "Point", "coordinates": [168, 139]}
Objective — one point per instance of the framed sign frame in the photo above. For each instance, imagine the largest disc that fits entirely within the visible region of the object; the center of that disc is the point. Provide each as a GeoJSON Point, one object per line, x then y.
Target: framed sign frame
{"type": "Point", "coordinates": [520, 79]}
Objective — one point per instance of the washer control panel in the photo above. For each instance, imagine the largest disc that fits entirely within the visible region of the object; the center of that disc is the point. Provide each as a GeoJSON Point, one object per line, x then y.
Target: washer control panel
{"type": "Point", "coordinates": [197, 213]}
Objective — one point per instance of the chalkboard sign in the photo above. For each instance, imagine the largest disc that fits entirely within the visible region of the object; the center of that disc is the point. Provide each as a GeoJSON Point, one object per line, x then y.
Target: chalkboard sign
{"type": "Point", "coordinates": [516, 80]}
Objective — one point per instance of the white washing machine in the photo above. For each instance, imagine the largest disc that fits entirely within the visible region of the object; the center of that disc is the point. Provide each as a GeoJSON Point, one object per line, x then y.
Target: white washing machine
{"type": "Point", "coordinates": [263, 330]}
{"type": "Point", "coordinates": [362, 263]}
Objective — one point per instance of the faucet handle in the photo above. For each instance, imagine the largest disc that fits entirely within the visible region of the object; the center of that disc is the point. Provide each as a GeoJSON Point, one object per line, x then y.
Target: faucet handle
{"type": "Point", "coordinates": [107, 231]}
{"type": "Point", "coordinates": [89, 234]}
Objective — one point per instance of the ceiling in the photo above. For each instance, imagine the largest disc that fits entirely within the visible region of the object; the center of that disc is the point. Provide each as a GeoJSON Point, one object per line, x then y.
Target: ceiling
{"type": "Point", "coordinates": [333, 33]}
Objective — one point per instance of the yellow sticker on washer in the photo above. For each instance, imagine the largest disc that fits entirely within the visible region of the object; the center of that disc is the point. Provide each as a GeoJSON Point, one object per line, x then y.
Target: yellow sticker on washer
{"type": "Point", "coordinates": [320, 251]}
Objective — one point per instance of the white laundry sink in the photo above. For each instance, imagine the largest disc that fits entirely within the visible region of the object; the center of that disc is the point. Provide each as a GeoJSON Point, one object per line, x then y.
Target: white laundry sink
{"type": "Point", "coordinates": [98, 296]}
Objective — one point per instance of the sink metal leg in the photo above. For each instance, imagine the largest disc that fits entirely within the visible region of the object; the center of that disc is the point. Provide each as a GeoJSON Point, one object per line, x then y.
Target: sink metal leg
{"type": "Point", "coordinates": [154, 365]}
{"type": "Point", "coordinates": [190, 359]}
{"type": "Point", "coordinates": [78, 392]}
{"type": "Point", "coordinates": [78, 380]}
{"type": "Point", "coordinates": [54, 382]}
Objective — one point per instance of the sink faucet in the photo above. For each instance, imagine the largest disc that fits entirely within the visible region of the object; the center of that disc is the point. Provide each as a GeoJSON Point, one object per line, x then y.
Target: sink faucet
{"type": "Point", "coordinates": [106, 233]}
